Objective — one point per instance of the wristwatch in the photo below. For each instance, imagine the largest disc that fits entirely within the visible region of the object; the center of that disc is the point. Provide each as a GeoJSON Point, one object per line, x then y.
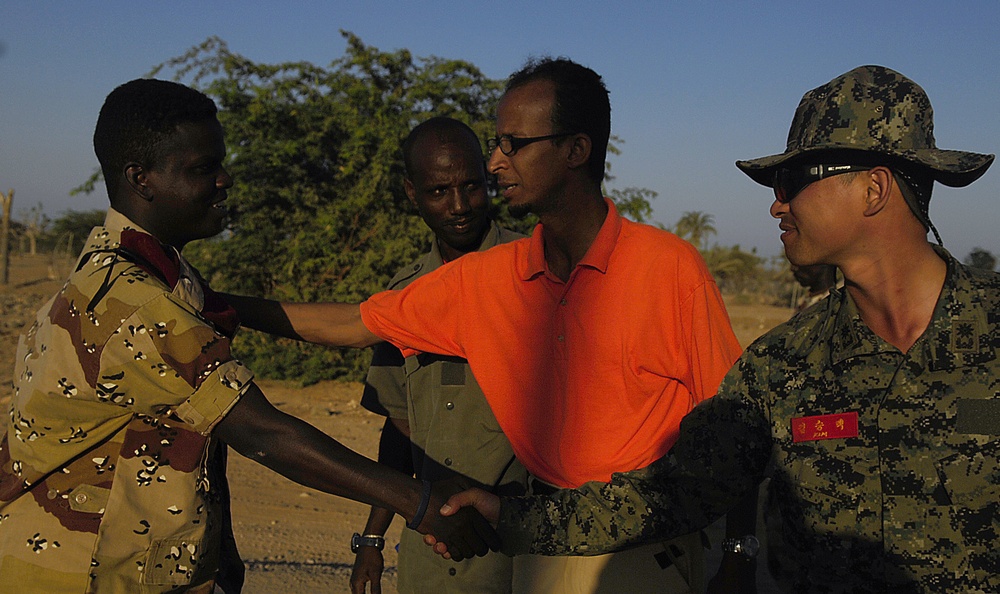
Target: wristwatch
{"type": "Point", "coordinates": [748, 546]}
{"type": "Point", "coordinates": [368, 540]}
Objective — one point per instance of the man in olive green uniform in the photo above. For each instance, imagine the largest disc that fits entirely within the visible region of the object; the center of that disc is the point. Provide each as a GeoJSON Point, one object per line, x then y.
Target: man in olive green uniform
{"type": "Point", "coordinates": [435, 401]}
{"type": "Point", "coordinates": [112, 462]}
{"type": "Point", "coordinates": [878, 408]}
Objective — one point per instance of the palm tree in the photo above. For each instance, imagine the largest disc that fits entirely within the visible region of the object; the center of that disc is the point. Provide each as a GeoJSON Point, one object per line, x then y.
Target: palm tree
{"type": "Point", "coordinates": [696, 227]}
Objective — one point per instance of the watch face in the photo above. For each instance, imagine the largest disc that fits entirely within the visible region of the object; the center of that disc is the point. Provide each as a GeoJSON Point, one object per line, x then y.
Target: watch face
{"type": "Point", "coordinates": [749, 546]}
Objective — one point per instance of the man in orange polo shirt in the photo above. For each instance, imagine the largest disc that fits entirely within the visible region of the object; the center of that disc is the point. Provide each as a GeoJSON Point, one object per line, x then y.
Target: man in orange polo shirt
{"type": "Point", "coordinates": [591, 339]}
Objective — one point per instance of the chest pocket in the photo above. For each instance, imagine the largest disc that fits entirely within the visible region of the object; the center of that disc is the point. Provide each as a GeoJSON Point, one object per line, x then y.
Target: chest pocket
{"type": "Point", "coordinates": [452, 369]}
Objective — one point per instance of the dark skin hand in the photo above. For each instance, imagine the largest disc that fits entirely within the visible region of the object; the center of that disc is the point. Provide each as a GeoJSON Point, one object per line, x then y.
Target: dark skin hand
{"type": "Point", "coordinates": [368, 567]}
{"type": "Point", "coordinates": [306, 455]}
{"type": "Point", "coordinates": [393, 451]}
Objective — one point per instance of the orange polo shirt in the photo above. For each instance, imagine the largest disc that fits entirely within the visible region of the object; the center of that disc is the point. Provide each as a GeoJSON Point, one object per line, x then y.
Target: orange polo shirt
{"type": "Point", "coordinates": [587, 377]}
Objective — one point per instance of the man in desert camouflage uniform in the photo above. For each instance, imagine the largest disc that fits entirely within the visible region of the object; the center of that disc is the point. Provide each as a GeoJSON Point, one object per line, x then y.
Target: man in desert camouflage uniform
{"type": "Point", "coordinates": [112, 465]}
{"type": "Point", "coordinates": [878, 408]}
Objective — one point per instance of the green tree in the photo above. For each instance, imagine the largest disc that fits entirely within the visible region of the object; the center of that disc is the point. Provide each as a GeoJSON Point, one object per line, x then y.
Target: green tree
{"type": "Point", "coordinates": [633, 202]}
{"type": "Point", "coordinates": [696, 227]}
{"type": "Point", "coordinates": [71, 229]}
{"type": "Point", "coordinates": [980, 258]}
{"type": "Point", "coordinates": [318, 210]}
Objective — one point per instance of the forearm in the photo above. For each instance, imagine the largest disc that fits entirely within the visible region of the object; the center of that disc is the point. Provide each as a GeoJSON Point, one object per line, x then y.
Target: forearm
{"type": "Point", "coordinates": [635, 507]}
{"type": "Point", "coordinates": [306, 455]}
{"type": "Point", "coordinates": [393, 452]}
{"type": "Point", "coordinates": [379, 520]}
{"type": "Point", "coordinates": [330, 324]}
{"type": "Point", "coordinates": [309, 457]}
{"type": "Point", "coordinates": [720, 455]}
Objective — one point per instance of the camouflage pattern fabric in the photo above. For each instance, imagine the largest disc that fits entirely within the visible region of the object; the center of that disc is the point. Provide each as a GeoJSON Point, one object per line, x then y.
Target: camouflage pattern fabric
{"type": "Point", "coordinates": [886, 466]}
{"type": "Point", "coordinates": [871, 109]}
{"type": "Point", "coordinates": [454, 432]}
{"type": "Point", "coordinates": [109, 478]}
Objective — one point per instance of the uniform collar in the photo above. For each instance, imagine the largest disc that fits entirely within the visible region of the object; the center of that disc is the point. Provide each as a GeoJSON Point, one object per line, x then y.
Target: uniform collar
{"type": "Point", "coordinates": [597, 256]}
{"type": "Point", "coordinates": [490, 239]}
{"type": "Point", "coordinates": [957, 335]}
{"type": "Point", "coordinates": [133, 243]}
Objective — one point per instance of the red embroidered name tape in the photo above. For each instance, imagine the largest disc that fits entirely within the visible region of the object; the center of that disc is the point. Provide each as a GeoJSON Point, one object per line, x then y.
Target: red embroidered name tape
{"type": "Point", "coordinates": [836, 426]}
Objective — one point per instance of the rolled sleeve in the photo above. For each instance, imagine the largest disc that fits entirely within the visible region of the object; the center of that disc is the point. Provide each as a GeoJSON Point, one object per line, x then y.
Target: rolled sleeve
{"type": "Point", "coordinates": [215, 397]}
{"type": "Point", "coordinates": [166, 359]}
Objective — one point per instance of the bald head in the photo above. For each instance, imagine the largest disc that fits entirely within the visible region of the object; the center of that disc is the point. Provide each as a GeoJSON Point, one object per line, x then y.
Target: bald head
{"type": "Point", "coordinates": [433, 133]}
{"type": "Point", "coordinates": [446, 181]}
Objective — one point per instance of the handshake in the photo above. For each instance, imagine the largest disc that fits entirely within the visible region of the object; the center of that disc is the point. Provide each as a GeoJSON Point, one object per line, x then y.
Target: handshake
{"type": "Point", "coordinates": [459, 522]}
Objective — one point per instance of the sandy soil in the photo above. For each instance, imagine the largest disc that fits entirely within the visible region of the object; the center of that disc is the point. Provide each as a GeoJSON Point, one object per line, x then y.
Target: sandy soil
{"type": "Point", "coordinates": [292, 538]}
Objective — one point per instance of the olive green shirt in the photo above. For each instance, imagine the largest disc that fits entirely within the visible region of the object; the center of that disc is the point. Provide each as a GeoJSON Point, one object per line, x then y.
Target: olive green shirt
{"type": "Point", "coordinates": [453, 431]}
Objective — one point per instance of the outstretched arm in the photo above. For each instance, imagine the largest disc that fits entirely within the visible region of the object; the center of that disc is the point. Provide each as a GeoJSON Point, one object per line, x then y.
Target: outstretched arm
{"type": "Point", "coordinates": [721, 454]}
{"type": "Point", "coordinates": [306, 455]}
{"type": "Point", "coordinates": [330, 324]}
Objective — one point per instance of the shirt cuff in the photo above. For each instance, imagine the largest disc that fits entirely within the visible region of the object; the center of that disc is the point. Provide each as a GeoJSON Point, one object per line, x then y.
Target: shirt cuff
{"type": "Point", "coordinates": [216, 395]}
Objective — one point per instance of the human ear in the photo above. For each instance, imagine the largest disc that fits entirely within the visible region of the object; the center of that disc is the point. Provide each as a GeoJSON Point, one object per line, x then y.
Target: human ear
{"type": "Point", "coordinates": [138, 180]}
{"type": "Point", "coordinates": [878, 189]}
{"type": "Point", "coordinates": [411, 191]}
{"type": "Point", "coordinates": [579, 151]}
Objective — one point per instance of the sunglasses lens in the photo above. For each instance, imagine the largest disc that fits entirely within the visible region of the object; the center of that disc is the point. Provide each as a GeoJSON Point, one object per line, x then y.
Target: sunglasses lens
{"type": "Point", "coordinates": [787, 184]}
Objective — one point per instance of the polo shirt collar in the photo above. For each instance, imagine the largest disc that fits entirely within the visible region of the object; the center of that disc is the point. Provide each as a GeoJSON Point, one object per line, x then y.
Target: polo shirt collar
{"type": "Point", "coordinates": [597, 256]}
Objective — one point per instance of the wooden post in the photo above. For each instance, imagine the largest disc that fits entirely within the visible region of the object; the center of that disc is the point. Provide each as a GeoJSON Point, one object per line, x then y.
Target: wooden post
{"type": "Point", "coordinates": [8, 199]}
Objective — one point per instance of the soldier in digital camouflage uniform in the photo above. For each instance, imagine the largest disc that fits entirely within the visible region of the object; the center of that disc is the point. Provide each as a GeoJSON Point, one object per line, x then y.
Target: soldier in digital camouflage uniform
{"type": "Point", "coordinates": [877, 407]}
{"type": "Point", "coordinates": [112, 465]}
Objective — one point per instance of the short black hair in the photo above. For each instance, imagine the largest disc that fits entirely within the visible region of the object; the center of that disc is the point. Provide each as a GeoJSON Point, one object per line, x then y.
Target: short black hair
{"type": "Point", "coordinates": [136, 119]}
{"type": "Point", "coordinates": [443, 127]}
{"type": "Point", "coordinates": [581, 103]}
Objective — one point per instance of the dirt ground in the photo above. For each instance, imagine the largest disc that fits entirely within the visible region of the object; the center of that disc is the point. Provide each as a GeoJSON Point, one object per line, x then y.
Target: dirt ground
{"type": "Point", "coordinates": [292, 539]}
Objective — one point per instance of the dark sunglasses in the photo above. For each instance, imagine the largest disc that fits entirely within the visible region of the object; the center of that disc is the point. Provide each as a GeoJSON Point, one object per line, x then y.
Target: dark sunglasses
{"type": "Point", "coordinates": [509, 145]}
{"type": "Point", "coordinates": [788, 182]}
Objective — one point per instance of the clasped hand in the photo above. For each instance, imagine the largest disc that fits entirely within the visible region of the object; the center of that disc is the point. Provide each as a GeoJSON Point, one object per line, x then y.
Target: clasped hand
{"type": "Point", "coordinates": [485, 506]}
{"type": "Point", "coordinates": [453, 522]}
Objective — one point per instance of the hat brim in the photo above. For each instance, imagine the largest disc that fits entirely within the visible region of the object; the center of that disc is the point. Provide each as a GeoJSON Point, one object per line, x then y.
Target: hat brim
{"type": "Point", "coordinates": [951, 168]}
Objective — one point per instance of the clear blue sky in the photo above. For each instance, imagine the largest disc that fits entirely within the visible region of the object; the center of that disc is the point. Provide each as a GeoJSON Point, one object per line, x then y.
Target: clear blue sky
{"type": "Point", "coordinates": [694, 85]}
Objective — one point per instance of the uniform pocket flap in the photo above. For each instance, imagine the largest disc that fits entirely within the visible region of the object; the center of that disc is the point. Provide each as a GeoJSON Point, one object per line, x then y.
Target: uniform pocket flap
{"type": "Point", "coordinates": [89, 499]}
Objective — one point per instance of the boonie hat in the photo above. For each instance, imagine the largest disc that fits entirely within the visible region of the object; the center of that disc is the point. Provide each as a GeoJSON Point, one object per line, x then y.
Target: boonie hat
{"type": "Point", "coordinates": [872, 109]}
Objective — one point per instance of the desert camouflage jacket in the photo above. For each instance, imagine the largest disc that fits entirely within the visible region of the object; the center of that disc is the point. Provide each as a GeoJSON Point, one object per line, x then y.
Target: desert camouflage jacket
{"type": "Point", "coordinates": [885, 466]}
{"type": "Point", "coordinates": [109, 480]}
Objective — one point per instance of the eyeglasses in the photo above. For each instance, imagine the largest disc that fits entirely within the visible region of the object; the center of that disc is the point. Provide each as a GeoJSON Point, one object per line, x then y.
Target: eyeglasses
{"type": "Point", "coordinates": [789, 182]}
{"type": "Point", "coordinates": [511, 144]}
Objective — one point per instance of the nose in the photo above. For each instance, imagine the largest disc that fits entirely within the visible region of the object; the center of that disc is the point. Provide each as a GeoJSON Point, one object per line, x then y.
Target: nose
{"type": "Point", "coordinates": [224, 181]}
{"type": "Point", "coordinates": [778, 209]}
{"type": "Point", "coordinates": [458, 200]}
{"type": "Point", "coordinates": [497, 161]}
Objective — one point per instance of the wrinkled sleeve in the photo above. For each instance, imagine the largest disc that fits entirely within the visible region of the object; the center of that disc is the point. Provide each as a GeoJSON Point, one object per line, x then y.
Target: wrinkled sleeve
{"type": "Point", "coordinates": [165, 359]}
{"type": "Point", "coordinates": [710, 342]}
{"type": "Point", "coordinates": [427, 315]}
{"type": "Point", "coordinates": [721, 454]}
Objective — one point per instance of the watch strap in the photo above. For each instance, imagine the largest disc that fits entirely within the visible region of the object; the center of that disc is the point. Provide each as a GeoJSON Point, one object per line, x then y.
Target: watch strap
{"type": "Point", "coordinates": [368, 540]}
